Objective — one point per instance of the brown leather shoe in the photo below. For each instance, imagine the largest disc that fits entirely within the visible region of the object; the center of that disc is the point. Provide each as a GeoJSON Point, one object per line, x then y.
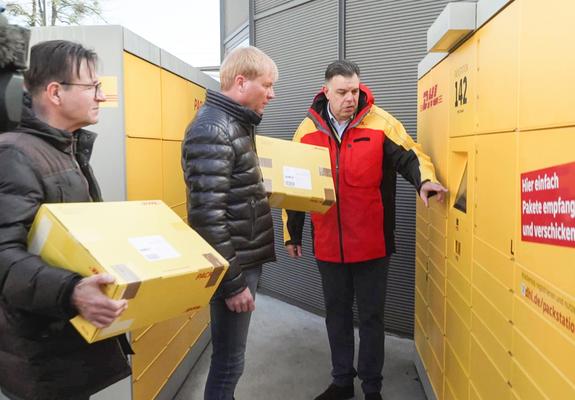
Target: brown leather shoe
{"type": "Point", "coordinates": [334, 392]}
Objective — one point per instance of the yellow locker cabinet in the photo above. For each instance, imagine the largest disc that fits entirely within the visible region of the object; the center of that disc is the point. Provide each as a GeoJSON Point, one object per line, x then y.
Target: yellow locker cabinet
{"type": "Point", "coordinates": [507, 233]}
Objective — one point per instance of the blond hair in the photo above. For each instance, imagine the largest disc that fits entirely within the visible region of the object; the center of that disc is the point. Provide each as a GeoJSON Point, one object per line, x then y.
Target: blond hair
{"type": "Point", "coordinates": [250, 62]}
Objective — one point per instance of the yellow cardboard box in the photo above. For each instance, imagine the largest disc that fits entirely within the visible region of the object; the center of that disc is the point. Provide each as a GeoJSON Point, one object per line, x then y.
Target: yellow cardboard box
{"type": "Point", "coordinates": [297, 176]}
{"type": "Point", "coordinates": [162, 267]}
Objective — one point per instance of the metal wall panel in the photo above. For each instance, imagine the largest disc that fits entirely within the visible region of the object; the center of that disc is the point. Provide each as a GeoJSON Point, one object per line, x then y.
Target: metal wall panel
{"type": "Point", "coordinates": [265, 5]}
{"type": "Point", "coordinates": [301, 42]}
{"type": "Point", "coordinates": [235, 14]}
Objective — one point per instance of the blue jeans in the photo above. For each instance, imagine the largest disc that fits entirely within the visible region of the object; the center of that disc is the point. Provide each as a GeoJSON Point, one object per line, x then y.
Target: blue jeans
{"type": "Point", "coordinates": [229, 337]}
{"type": "Point", "coordinates": [368, 282]}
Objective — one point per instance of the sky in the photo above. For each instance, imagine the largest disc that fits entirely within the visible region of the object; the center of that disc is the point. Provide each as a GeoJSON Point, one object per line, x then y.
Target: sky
{"type": "Point", "coordinates": [188, 29]}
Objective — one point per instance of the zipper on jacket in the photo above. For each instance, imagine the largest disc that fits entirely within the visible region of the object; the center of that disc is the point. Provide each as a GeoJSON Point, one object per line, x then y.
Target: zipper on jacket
{"type": "Point", "coordinates": [75, 160]}
{"type": "Point", "coordinates": [340, 231]}
{"type": "Point", "coordinates": [252, 217]}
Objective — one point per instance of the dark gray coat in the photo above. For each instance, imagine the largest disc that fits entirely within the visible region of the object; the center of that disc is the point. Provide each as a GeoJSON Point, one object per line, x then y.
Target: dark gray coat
{"type": "Point", "coordinates": [42, 356]}
{"type": "Point", "coordinates": [227, 201]}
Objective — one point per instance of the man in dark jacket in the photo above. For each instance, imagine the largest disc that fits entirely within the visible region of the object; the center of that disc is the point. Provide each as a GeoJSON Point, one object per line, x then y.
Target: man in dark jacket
{"type": "Point", "coordinates": [45, 160]}
{"type": "Point", "coordinates": [227, 203]}
{"type": "Point", "coordinates": [354, 239]}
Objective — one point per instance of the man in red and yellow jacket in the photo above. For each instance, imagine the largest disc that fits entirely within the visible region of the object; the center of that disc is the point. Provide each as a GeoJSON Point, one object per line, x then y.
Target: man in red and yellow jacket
{"type": "Point", "coordinates": [354, 238]}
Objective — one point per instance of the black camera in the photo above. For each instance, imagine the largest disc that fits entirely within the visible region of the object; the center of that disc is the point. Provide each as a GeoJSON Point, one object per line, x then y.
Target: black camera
{"type": "Point", "coordinates": [14, 53]}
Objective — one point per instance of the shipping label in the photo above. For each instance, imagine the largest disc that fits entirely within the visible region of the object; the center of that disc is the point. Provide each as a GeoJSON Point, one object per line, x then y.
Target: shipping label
{"type": "Point", "coordinates": [297, 178]}
{"type": "Point", "coordinates": [154, 248]}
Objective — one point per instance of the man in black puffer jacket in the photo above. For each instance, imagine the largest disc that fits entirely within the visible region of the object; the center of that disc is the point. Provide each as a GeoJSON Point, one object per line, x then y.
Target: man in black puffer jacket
{"type": "Point", "coordinates": [227, 203]}
{"type": "Point", "coordinates": [45, 160]}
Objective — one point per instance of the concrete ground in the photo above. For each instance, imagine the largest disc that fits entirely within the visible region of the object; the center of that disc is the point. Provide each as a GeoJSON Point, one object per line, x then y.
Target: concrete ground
{"type": "Point", "coordinates": [288, 359]}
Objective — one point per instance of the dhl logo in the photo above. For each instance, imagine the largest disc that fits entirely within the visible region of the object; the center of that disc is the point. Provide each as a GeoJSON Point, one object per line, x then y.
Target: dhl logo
{"type": "Point", "coordinates": [430, 98]}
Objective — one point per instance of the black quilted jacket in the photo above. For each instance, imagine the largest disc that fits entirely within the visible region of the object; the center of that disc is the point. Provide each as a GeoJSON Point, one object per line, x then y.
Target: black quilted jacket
{"type": "Point", "coordinates": [227, 202]}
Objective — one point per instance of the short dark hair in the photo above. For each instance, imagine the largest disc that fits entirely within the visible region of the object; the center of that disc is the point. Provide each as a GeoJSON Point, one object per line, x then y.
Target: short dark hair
{"type": "Point", "coordinates": [56, 60]}
{"type": "Point", "coordinates": [341, 67]}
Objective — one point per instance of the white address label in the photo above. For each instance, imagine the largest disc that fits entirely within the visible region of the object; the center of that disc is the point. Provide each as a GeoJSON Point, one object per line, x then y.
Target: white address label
{"type": "Point", "coordinates": [297, 178]}
{"type": "Point", "coordinates": [154, 248]}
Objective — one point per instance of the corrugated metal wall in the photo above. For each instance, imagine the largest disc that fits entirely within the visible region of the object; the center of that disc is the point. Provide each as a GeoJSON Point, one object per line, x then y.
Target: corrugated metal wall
{"type": "Point", "coordinates": [299, 40]}
{"type": "Point", "coordinates": [387, 38]}
{"type": "Point", "coordinates": [265, 5]}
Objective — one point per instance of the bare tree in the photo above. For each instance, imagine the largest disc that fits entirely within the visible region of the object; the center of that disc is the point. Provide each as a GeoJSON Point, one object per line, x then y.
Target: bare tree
{"type": "Point", "coordinates": [54, 12]}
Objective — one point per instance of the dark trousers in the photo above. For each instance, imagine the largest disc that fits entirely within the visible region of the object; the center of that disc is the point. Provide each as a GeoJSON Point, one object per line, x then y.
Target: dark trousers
{"type": "Point", "coordinates": [368, 282]}
{"type": "Point", "coordinates": [229, 338]}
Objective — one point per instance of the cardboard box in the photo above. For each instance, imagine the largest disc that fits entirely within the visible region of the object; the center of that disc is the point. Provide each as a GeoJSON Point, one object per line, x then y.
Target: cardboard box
{"type": "Point", "coordinates": [162, 267]}
{"type": "Point", "coordinates": [297, 176]}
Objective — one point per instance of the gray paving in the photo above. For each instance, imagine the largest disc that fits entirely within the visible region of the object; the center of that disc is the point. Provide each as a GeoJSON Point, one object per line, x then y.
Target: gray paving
{"type": "Point", "coordinates": [288, 358]}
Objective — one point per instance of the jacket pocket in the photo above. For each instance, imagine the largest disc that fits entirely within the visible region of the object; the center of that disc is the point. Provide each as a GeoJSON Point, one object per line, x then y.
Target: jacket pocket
{"type": "Point", "coordinates": [363, 164]}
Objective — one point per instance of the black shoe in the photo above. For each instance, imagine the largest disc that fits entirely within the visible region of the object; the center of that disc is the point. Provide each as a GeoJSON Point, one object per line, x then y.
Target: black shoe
{"type": "Point", "coordinates": [373, 396]}
{"type": "Point", "coordinates": [334, 392]}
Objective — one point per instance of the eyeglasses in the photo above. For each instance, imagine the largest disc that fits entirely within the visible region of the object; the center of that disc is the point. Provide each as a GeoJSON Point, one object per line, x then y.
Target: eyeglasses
{"type": "Point", "coordinates": [97, 86]}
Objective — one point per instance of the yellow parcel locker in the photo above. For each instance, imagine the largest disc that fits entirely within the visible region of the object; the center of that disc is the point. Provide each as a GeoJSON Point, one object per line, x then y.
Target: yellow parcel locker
{"type": "Point", "coordinates": [436, 339]}
{"type": "Point", "coordinates": [497, 72]}
{"type": "Point", "coordinates": [455, 376]}
{"type": "Point", "coordinates": [180, 102]}
{"type": "Point", "coordinates": [536, 365]}
{"type": "Point", "coordinates": [148, 384]}
{"type": "Point", "coordinates": [524, 388]}
{"type": "Point", "coordinates": [161, 266]}
{"type": "Point", "coordinates": [421, 211]}
{"type": "Point", "coordinates": [436, 302]}
{"type": "Point", "coordinates": [174, 188]}
{"type": "Point", "coordinates": [473, 393]}
{"type": "Point", "coordinates": [143, 94]}
{"type": "Point", "coordinates": [421, 312]}
{"type": "Point", "coordinates": [144, 169]}
{"type": "Point", "coordinates": [438, 214]}
{"type": "Point", "coordinates": [486, 376]}
{"type": "Point", "coordinates": [496, 192]}
{"type": "Point", "coordinates": [437, 260]}
{"type": "Point", "coordinates": [500, 268]}
{"type": "Point", "coordinates": [542, 311]}
{"type": "Point", "coordinates": [297, 176]}
{"type": "Point", "coordinates": [435, 372]}
{"type": "Point", "coordinates": [155, 338]}
{"type": "Point", "coordinates": [488, 338]}
{"type": "Point", "coordinates": [493, 303]}
{"type": "Point", "coordinates": [461, 201]}
{"type": "Point", "coordinates": [463, 77]}
{"type": "Point", "coordinates": [421, 277]}
{"type": "Point", "coordinates": [423, 242]}
{"type": "Point", "coordinates": [547, 162]}
{"type": "Point", "coordinates": [419, 336]}
{"type": "Point", "coordinates": [547, 62]}
{"type": "Point", "coordinates": [433, 116]}
{"type": "Point", "coordinates": [457, 335]}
